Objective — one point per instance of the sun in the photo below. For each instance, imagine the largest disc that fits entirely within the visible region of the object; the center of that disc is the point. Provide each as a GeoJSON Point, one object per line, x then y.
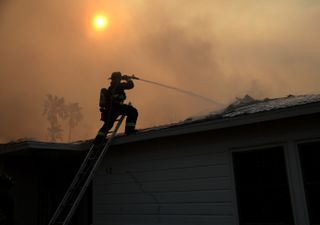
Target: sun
{"type": "Point", "coordinates": [100, 22]}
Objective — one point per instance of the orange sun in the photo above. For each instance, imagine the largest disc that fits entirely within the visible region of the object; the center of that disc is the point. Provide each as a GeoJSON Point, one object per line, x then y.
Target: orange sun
{"type": "Point", "coordinates": [100, 22]}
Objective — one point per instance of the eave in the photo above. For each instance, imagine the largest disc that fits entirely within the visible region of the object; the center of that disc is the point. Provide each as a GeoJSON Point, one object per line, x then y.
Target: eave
{"type": "Point", "coordinates": [220, 123]}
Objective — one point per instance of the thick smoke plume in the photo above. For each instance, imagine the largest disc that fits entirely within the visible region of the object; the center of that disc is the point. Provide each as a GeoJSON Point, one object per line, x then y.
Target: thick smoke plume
{"type": "Point", "coordinates": [218, 49]}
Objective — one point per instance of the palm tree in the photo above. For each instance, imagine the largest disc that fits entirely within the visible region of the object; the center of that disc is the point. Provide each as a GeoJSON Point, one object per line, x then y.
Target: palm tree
{"type": "Point", "coordinates": [54, 107]}
{"type": "Point", "coordinates": [55, 132]}
{"type": "Point", "coordinates": [74, 116]}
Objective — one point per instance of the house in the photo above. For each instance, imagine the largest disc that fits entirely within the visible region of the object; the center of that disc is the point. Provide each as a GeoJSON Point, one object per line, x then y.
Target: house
{"type": "Point", "coordinates": [40, 173]}
{"type": "Point", "coordinates": [256, 162]}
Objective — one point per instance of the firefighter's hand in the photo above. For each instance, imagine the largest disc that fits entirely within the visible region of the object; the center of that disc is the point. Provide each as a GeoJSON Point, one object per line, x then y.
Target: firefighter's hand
{"type": "Point", "coordinates": [134, 77]}
{"type": "Point", "coordinates": [126, 77]}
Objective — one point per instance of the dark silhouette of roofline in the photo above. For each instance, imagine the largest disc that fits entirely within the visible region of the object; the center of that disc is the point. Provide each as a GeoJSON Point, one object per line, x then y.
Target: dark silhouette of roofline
{"type": "Point", "coordinates": [254, 111]}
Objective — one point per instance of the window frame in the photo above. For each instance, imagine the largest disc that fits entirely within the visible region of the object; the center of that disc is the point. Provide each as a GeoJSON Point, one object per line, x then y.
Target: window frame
{"type": "Point", "coordinates": [297, 143]}
{"type": "Point", "coordinates": [294, 176]}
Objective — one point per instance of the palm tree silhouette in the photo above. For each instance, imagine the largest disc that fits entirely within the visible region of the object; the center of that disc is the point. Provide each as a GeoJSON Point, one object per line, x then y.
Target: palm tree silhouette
{"type": "Point", "coordinates": [54, 107]}
{"type": "Point", "coordinates": [74, 116]}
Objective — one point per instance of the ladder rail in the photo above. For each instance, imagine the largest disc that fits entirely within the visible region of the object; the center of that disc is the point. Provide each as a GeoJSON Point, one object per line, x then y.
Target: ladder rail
{"type": "Point", "coordinates": [87, 179]}
{"type": "Point", "coordinates": [68, 192]}
{"type": "Point", "coordinates": [92, 172]}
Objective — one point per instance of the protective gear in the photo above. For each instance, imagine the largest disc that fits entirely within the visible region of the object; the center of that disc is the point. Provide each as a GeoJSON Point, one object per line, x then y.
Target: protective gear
{"type": "Point", "coordinates": [116, 76]}
{"type": "Point", "coordinates": [117, 90]}
{"type": "Point", "coordinates": [100, 138]}
{"type": "Point", "coordinates": [105, 99]}
{"type": "Point", "coordinates": [110, 113]}
{"type": "Point", "coordinates": [130, 126]}
{"type": "Point", "coordinates": [126, 77]}
{"type": "Point", "coordinates": [120, 109]}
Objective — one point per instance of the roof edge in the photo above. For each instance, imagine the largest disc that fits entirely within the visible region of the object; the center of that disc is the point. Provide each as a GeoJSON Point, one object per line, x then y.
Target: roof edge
{"type": "Point", "coordinates": [37, 145]}
{"type": "Point", "coordinates": [217, 124]}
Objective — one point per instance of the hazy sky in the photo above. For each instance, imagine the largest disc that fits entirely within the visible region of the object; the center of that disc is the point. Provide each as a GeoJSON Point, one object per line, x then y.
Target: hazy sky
{"type": "Point", "coordinates": [218, 49]}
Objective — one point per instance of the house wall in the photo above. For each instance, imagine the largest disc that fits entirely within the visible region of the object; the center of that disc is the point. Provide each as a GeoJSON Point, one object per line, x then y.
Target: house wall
{"type": "Point", "coordinates": [40, 180]}
{"type": "Point", "coordinates": [165, 181]}
{"type": "Point", "coordinates": [56, 171]}
{"type": "Point", "coordinates": [189, 179]}
{"type": "Point", "coordinates": [24, 192]}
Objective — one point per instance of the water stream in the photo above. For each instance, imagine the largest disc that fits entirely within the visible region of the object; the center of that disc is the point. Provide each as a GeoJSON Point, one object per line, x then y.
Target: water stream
{"type": "Point", "coordinates": [182, 91]}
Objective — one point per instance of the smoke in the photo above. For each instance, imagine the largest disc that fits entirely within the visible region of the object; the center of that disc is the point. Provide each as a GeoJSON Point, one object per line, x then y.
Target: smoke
{"type": "Point", "coordinates": [218, 49]}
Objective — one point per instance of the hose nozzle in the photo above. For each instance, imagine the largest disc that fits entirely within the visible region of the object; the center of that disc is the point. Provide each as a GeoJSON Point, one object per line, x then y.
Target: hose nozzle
{"type": "Point", "coordinates": [134, 77]}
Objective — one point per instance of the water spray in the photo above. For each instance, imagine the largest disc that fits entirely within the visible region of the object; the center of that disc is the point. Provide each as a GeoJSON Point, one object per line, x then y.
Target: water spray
{"type": "Point", "coordinates": [178, 89]}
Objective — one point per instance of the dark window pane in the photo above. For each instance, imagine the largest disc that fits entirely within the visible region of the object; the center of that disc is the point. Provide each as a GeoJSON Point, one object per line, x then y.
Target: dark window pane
{"type": "Point", "coordinates": [262, 187]}
{"type": "Point", "coordinates": [310, 163]}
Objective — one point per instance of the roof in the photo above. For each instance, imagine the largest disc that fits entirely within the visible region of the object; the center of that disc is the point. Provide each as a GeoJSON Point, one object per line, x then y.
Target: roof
{"type": "Point", "coordinates": [24, 144]}
{"type": "Point", "coordinates": [248, 105]}
{"type": "Point", "coordinates": [243, 111]}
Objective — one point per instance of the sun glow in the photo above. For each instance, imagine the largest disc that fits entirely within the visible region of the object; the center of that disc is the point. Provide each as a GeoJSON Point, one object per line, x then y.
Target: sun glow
{"type": "Point", "coordinates": [100, 22]}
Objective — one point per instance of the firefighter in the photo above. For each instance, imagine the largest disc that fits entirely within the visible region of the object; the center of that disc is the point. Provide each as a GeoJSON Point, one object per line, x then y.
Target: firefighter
{"type": "Point", "coordinates": [116, 106]}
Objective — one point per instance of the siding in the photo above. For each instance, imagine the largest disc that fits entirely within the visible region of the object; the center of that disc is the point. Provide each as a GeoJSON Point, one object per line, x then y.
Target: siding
{"type": "Point", "coordinates": [172, 181]}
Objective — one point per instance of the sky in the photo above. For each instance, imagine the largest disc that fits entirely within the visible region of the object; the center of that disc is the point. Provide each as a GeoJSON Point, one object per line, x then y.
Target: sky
{"type": "Point", "coordinates": [217, 49]}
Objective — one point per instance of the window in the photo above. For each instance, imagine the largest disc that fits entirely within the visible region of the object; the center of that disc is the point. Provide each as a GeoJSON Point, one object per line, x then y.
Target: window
{"type": "Point", "coordinates": [262, 187]}
{"type": "Point", "coordinates": [310, 163]}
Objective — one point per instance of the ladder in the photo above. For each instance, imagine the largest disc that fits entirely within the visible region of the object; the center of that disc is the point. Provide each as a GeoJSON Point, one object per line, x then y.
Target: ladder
{"type": "Point", "coordinates": [81, 181]}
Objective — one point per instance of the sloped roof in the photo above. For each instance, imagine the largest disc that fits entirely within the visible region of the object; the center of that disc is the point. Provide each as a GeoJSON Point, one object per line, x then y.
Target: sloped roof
{"type": "Point", "coordinates": [23, 144]}
{"type": "Point", "coordinates": [248, 105]}
{"type": "Point", "coordinates": [244, 110]}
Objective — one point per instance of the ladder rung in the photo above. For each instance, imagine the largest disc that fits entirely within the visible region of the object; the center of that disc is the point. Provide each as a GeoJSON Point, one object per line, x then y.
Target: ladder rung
{"type": "Point", "coordinates": [83, 173]}
{"type": "Point", "coordinates": [80, 182]}
{"type": "Point", "coordinates": [67, 204]}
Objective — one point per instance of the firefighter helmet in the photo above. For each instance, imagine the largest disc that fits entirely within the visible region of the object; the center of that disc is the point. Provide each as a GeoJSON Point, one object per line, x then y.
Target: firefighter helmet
{"type": "Point", "coordinates": [116, 76]}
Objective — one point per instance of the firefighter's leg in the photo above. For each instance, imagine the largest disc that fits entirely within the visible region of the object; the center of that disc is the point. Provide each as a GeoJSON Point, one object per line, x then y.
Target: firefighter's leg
{"type": "Point", "coordinates": [131, 120]}
{"type": "Point", "coordinates": [108, 124]}
{"type": "Point", "coordinates": [132, 115]}
{"type": "Point", "coordinates": [101, 135]}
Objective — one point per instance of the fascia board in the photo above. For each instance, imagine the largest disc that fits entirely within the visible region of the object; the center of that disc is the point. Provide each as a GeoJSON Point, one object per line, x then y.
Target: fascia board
{"type": "Point", "coordinates": [221, 123]}
{"type": "Point", "coordinates": [35, 145]}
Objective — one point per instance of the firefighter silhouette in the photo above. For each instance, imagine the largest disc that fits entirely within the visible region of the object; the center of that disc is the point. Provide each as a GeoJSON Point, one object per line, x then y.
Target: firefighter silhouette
{"type": "Point", "coordinates": [112, 105]}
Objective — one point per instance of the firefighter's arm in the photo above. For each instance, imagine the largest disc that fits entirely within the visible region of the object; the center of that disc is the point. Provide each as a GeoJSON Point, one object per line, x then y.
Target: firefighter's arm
{"type": "Point", "coordinates": [128, 84]}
